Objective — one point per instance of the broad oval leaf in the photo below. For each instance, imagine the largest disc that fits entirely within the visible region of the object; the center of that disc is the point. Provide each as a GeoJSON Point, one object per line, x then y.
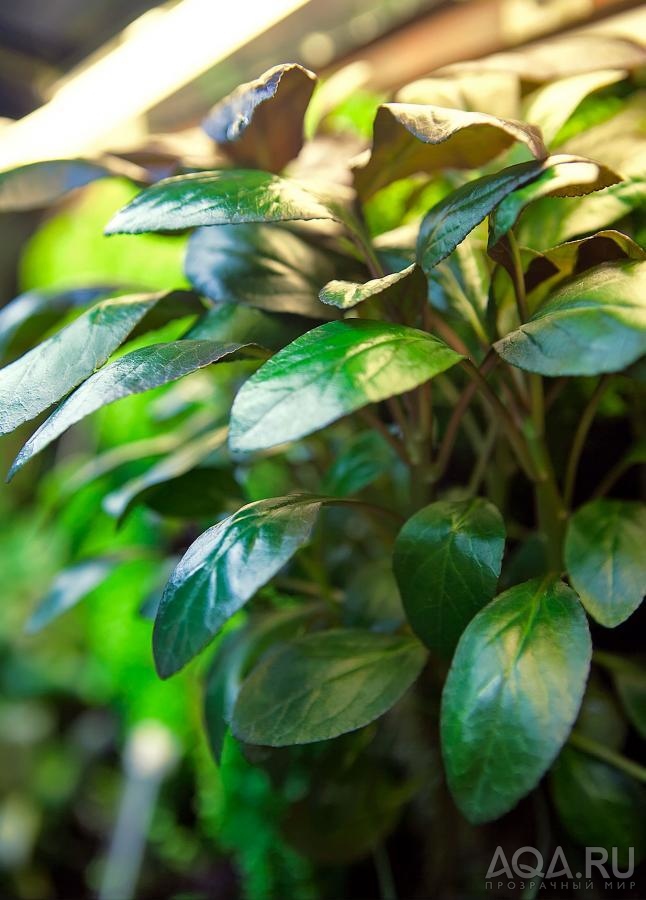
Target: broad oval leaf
{"type": "Point", "coordinates": [328, 373]}
{"type": "Point", "coordinates": [45, 374]}
{"type": "Point", "coordinates": [447, 560]}
{"type": "Point", "coordinates": [223, 569]}
{"type": "Point", "coordinates": [599, 805]}
{"type": "Point", "coordinates": [593, 324]}
{"type": "Point", "coordinates": [563, 176]}
{"type": "Point", "coordinates": [552, 105]}
{"type": "Point", "coordinates": [512, 694]}
{"type": "Point", "coordinates": [225, 197]}
{"type": "Point", "coordinates": [245, 122]}
{"type": "Point", "coordinates": [70, 586]}
{"type": "Point", "coordinates": [451, 220]}
{"type": "Point", "coordinates": [260, 265]}
{"type": "Point", "coordinates": [393, 288]}
{"type": "Point", "coordinates": [410, 138]}
{"type": "Point", "coordinates": [235, 655]}
{"type": "Point", "coordinates": [133, 373]}
{"type": "Point", "coordinates": [322, 685]}
{"type": "Point", "coordinates": [39, 184]}
{"type": "Point", "coordinates": [235, 323]}
{"type": "Point", "coordinates": [629, 678]}
{"type": "Point", "coordinates": [604, 557]}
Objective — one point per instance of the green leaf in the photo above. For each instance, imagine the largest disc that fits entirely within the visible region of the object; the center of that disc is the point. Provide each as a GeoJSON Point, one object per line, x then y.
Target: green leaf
{"type": "Point", "coordinates": [204, 492]}
{"type": "Point", "coordinates": [232, 323]}
{"type": "Point", "coordinates": [260, 124]}
{"type": "Point", "coordinates": [39, 184]}
{"type": "Point", "coordinates": [390, 289]}
{"type": "Point", "coordinates": [236, 653]}
{"type": "Point", "coordinates": [599, 805]}
{"type": "Point", "coordinates": [447, 560]}
{"type": "Point", "coordinates": [593, 324]}
{"type": "Point", "coordinates": [48, 372]}
{"type": "Point", "coordinates": [70, 586]}
{"type": "Point", "coordinates": [600, 718]}
{"type": "Point", "coordinates": [629, 678]}
{"type": "Point", "coordinates": [451, 220]}
{"type": "Point", "coordinates": [512, 694]}
{"type": "Point", "coordinates": [372, 598]}
{"type": "Point", "coordinates": [226, 197]}
{"type": "Point", "coordinates": [552, 105]}
{"type": "Point", "coordinates": [328, 373]}
{"type": "Point", "coordinates": [604, 557]}
{"type": "Point", "coordinates": [563, 176]}
{"type": "Point", "coordinates": [360, 461]}
{"type": "Point", "coordinates": [259, 265]}
{"type": "Point", "coordinates": [133, 373]}
{"type": "Point", "coordinates": [41, 309]}
{"type": "Point", "coordinates": [411, 138]}
{"type": "Point", "coordinates": [322, 685]}
{"type": "Point", "coordinates": [223, 569]}
{"type": "Point", "coordinates": [166, 472]}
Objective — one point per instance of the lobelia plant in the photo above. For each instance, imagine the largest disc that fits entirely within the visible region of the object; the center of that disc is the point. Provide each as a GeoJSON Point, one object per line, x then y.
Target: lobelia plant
{"type": "Point", "coordinates": [421, 349]}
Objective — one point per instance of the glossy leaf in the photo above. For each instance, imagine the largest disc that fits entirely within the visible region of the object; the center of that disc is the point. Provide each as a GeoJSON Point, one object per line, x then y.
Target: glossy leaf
{"type": "Point", "coordinates": [451, 220]}
{"type": "Point", "coordinates": [552, 105]}
{"type": "Point", "coordinates": [264, 266]}
{"type": "Point", "coordinates": [512, 694]}
{"type": "Point", "coordinates": [225, 197]}
{"type": "Point", "coordinates": [235, 323]}
{"type": "Point", "coordinates": [45, 374]}
{"type": "Point", "coordinates": [565, 176]}
{"type": "Point", "coordinates": [168, 470]}
{"type": "Point", "coordinates": [410, 138]}
{"type": "Point", "coordinates": [447, 560]}
{"type": "Point", "coordinates": [595, 323]}
{"type": "Point", "coordinates": [70, 586]}
{"type": "Point", "coordinates": [261, 123]}
{"type": "Point", "coordinates": [604, 557]}
{"type": "Point", "coordinates": [235, 655]}
{"type": "Point", "coordinates": [328, 373]}
{"type": "Point", "coordinates": [135, 372]}
{"type": "Point", "coordinates": [322, 685]}
{"type": "Point", "coordinates": [39, 184]}
{"type": "Point", "coordinates": [599, 805]}
{"type": "Point", "coordinates": [390, 289]}
{"type": "Point", "coordinates": [223, 569]}
{"type": "Point", "coordinates": [36, 311]}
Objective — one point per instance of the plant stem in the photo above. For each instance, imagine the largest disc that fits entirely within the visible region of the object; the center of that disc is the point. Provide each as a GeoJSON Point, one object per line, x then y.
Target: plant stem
{"type": "Point", "coordinates": [580, 435]}
{"type": "Point", "coordinates": [373, 420]}
{"type": "Point", "coordinates": [448, 335]}
{"type": "Point", "coordinates": [518, 278]}
{"type": "Point", "coordinates": [384, 873]}
{"type": "Point", "coordinates": [364, 245]}
{"type": "Point", "coordinates": [593, 748]}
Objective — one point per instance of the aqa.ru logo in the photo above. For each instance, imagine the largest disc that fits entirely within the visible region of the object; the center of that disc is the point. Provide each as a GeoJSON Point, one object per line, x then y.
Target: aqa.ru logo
{"type": "Point", "coordinates": [527, 863]}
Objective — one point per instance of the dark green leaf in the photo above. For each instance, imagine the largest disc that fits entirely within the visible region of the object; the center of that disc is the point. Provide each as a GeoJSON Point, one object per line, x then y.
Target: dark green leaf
{"type": "Point", "coordinates": [512, 695]}
{"type": "Point", "coordinates": [135, 372]}
{"type": "Point", "coordinates": [594, 324]}
{"type": "Point", "coordinates": [202, 492]}
{"type": "Point", "coordinates": [236, 653]}
{"type": "Point", "coordinates": [261, 123]}
{"type": "Point", "coordinates": [599, 805]}
{"type": "Point", "coordinates": [451, 220]}
{"type": "Point", "coordinates": [70, 586]}
{"type": "Point", "coordinates": [48, 372]}
{"type": "Point", "coordinates": [447, 561]}
{"type": "Point", "coordinates": [604, 557]}
{"type": "Point", "coordinates": [40, 184]}
{"type": "Point", "coordinates": [264, 266]}
{"type": "Point", "coordinates": [232, 323]}
{"type": "Point", "coordinates": [360, 461]}
{"type": "Point", "coordinates": [600, 717]}
{"type": "Point", "coordinates": [629, 678]}
{"type": "Point", "coordinates": [223, 569]}
{"type": "Point", "coordinates": [326, 684]}
{"type": "Point", "coordinates": [411, 138]}
{"type": "Point", "coordinates": [563, 176]}
{"type": "Point", "coordinates": [226, 197]}
{"type": "Point", "coordinates": [42, 309]}
{"type": "Point", "coordinates": [372, 598]}
{"type": "Point", "coordinates": [168, 470]}
{"type": "Point", "coordinates": [392, 289]}
{"type": "Point", "coordinates": [329, 372]}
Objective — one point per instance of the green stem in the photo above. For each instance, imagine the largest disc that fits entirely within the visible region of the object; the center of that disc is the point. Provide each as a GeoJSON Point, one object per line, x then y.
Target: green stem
{"type": "Point", "coordinates": [593, 748]}
{"type": "Point", "coordinates": [518, 278]}
{"type": "Point", "coordinates": [364, 245]}
{"type": "Point", "coordinates": [373, 420]}
{"type": "Point", "coordinates": [384, 873]}
{"type": "Point", "coordinates": [580, 435]}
